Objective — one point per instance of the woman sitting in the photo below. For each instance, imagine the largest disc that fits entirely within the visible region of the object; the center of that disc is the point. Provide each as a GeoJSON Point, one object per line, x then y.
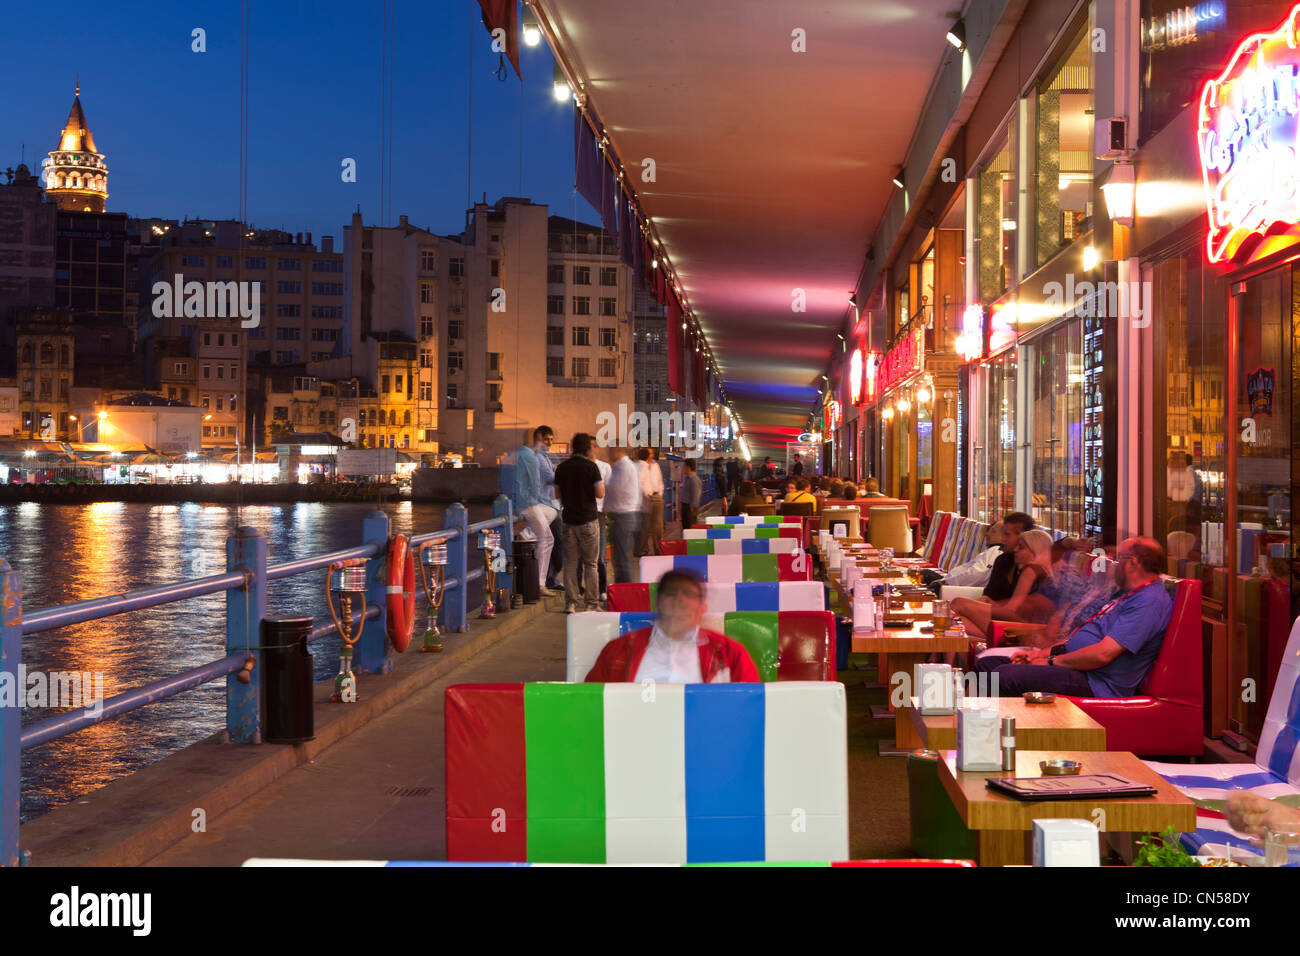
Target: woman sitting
{"type": "Point", "coordinates": [850, 491]}
{"type": "Point", "coordinates": [1033, 599]}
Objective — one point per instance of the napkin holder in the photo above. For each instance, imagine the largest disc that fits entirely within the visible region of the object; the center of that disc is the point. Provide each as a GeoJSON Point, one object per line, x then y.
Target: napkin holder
{"type": "Point", "coordinates": [934, 689]}
{"type": "Point", "coordinates": [1066, 843]}
{"type": "Point", "coordinates": [978, 746]}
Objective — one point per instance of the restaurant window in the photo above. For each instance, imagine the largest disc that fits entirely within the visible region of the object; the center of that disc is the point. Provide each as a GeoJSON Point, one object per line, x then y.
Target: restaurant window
{"type": "Point", "coordinates": [995, 238]}
{"type": "Point", "coordinates": [1056, 428]}
{"type": "Point", "coordinates": [1063, 154]}
{"type": "Point", "coordinates": [994, 477]}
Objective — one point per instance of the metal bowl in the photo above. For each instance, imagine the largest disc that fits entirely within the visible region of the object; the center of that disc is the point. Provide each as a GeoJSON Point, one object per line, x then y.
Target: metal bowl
{"type": "Point", "coordinates": [1060, 768]}
{"type": "Point", "coordinates": [1039, 697]}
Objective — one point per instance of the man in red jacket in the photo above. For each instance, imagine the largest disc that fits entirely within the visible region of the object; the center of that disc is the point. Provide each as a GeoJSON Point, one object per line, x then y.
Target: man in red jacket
{"type": "Point", "coordinates": [676, 650]}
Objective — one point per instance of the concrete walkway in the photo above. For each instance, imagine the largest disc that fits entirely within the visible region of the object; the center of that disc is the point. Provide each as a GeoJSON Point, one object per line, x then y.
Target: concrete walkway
{"type": "Point", "coordinates": [377, 794]}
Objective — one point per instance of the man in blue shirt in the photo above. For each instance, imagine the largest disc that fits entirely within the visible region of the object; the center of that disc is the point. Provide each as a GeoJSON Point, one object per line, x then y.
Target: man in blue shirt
{"type": "Point", "coordinates": [1109, 653]}
{"type": "Point", "coordinates": [531, 500]}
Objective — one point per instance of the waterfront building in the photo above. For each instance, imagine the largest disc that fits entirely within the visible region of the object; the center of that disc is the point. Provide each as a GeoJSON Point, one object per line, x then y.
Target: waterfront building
{"type": "Point", "coordinates": [27, 225]}
{"type": "Point", "coordinates": [523, 319]}
{"type": "Point", "coordinates": [143, 420]}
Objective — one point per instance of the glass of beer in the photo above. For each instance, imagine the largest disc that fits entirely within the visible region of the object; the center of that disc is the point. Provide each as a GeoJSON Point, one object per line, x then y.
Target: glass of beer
{"type": "Point", "coordinates": [942, 616]}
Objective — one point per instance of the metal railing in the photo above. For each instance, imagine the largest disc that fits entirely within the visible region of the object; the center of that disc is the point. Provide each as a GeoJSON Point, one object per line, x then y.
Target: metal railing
{"type": "Point", "coordinates": [245, 585]}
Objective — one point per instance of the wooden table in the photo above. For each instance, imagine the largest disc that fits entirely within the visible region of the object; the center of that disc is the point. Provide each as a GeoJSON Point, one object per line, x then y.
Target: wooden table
{"type": "Point", "coordinates": [901, 651]}
{"type": "Point", "coordinates": [1004, 826]}
{"type": "Point", "coordinates": [1059, 726]}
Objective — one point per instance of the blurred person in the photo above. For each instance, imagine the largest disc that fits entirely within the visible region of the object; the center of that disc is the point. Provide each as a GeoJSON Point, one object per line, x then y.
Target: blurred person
{"type": "Point", "coordinates": [720, 477]}
{"type": "Point", "coordinates": [623, 504]}
{"type": "Point", "coordinates": [746, 495]}
{"type": "Point", "coordinates": [602, 572]}
{"type": "Point", "coordinates": [676, 650]}
{"type": "Point", "coordinates": [975, 572]}
{"type": "Point", "coordinates": [733, 475]}
{"type": "Point", "coordinates": [692, 489]}
{"type": "Point", "coordinates": [531, 502]}
{"type": "Point", "coordinates": [1028, 602]}
{"type": "Point", "coordinates": [872, 489]}
{"type": "Point", "coordinates": [652, 503]}
{"type": "Point", "coordinates": [850, 491]}
{"type": "Point", "coordinates": [835, 489]}
{"type": "Point", "coordinates": [798, 493]}
{"type": "Point", "coordinates": [1110, 653]}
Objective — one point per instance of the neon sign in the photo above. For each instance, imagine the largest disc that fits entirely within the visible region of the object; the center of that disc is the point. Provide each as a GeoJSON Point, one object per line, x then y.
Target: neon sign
{"type": "Point", "coordinates": [832, 417]}
{"type": "Point", "coordinates": [873, 364]}
{"type": "Point", "coordinates": [1246, 133]}
{"type": "Point", "coordinates": [855, 377]}
{"type": "Point", "coordinates": [902, 361]}
{"type": "Point", "coordinates": [970, 342]}
{"type": "Point", "coordinates": [1002, 327]}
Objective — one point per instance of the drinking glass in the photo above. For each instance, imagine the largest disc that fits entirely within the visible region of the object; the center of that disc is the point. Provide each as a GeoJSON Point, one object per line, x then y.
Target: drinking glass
{"type": "Point", "coordinates": [1282, 844]}
{"type": "Point", "coordinates": [942, 616]}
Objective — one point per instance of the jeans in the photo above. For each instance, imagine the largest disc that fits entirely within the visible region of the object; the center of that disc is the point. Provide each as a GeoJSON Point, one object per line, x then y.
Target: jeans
{"type": "Point", "coordinates": [581, 542]}
{"type": "Point", "coordinates": [1016, 679]}
{"type": "Point", "coordinates": [555, 567]}
{"type": "Point", "coordinates": [623, 529]}
{"type": "Point", "coordinates": [539, 522]}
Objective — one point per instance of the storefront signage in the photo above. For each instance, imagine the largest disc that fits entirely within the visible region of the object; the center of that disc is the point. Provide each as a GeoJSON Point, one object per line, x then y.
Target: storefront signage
{"type": "Point", "coordinates": [1002, 327]}
{"type": "Point", "coordinates": [1259, 389]}
{"type": "Point", "coordinates": [855, 377]}
{"type": "Point", "coordinates": [1246, 133]}
{"type": "Point", "coordinates": [831, 419]}
{"type": "Point", "coordinates": [901, 362]}
{"type": "Point", "coordinates": [970, 341]}
{"type": "Point", "coordinates": [869, 374]}
{"type": "Point", "coordinates": [1182, 26]}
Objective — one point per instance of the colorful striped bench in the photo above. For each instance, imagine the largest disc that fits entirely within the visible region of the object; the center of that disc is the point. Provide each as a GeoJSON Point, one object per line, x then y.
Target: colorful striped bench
{"type": "Point", "coordinates": [721, 598]}
{"type": "Point", "coordinates": [601, 773]}
{"type": "Point", "coordinates": [697, 533]}
{"type": "Point", "coordinates": [675, 546]}
{"type": "Point", "coordinates": [1275, 774]}
{"type": "Point", "coordinates": [752, 519]}
{"type": "Point", "coordinates": [269, 861]}
{"type": "Point", "coordinates": [784, 645]}
{"type": "Point", "coordinates": [731, 568]}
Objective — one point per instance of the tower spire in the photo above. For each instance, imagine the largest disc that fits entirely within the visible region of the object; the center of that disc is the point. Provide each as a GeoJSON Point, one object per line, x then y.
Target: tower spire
{"type": "Point", "coordinates": [76, 176]}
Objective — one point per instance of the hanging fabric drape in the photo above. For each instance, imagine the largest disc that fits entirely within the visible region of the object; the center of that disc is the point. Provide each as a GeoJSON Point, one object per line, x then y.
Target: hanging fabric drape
{"type": "Point", "coordinates": [626, 233]}
{"type": "Point", "coordinates": [587, 162]}
{"type": "Point", "coordinates": [504, 15]}
{"type": "Point", "coordinates": [611, 195]}
{"type": "Point", "coordinates": [675, 345]}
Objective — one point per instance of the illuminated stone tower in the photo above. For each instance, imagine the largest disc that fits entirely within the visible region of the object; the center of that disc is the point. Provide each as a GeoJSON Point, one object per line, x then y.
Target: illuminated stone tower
{"type": "Point", "coordinates": [75, 173]}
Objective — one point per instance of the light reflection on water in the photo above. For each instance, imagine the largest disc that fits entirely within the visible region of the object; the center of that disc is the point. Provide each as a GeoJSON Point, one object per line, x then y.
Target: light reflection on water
{"type": "Point", "coordinates": [76, 552]}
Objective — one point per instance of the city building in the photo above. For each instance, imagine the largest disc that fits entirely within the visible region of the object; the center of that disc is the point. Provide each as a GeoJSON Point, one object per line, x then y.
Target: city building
{"type": "Point", "coordinates": [143, 420]}
{"type": "Point", "coordinates": [27, 225]}
{"type": "Point", "coordinates": [45, 365]}
{"type": "Point", "coordinates": [525, 319]}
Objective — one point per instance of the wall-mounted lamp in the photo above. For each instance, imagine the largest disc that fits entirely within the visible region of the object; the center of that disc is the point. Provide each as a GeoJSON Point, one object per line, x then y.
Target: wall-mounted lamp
{"type": "Point", "coordinates": [957, 35]}
{"type": "Point", "coordinates": [1119, 190]}
{"type": "Point", "coordinates": [898, 179]}
{"type": "Point", "coordinates": [1091, 257]}
{"type": "Point", "coordinates": [923, 394]}
{"type": "Point", "coordinates": [561, 88]}
{"type": "Point", "coordinates": [532, 32]}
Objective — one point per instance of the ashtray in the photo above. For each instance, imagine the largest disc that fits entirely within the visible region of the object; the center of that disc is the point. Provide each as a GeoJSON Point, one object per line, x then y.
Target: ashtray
{"type": "Point", "coordinates": [1059, 768]}
{"type": "Point", "coordinates": [1039, 697]}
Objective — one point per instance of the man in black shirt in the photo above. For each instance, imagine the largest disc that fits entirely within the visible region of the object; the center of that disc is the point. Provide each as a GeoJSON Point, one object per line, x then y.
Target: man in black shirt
{"type": "Point", "coordinates": [578, 481]}
{"type": "Point", "coordinates": [1002, 579]}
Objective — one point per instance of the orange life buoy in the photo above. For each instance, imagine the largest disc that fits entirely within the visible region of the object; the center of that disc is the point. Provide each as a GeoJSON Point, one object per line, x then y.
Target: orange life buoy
{"type": "Point", "coordinates": [401, 593]}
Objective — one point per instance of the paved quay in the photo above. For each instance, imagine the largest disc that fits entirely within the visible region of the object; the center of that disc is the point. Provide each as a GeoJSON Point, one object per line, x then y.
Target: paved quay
{"type": "Point", "coordinates": [372, 786]}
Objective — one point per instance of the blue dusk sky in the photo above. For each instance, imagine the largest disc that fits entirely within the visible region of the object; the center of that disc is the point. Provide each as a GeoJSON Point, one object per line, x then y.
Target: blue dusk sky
{"type": "Point", "coordinates": [167, 118]}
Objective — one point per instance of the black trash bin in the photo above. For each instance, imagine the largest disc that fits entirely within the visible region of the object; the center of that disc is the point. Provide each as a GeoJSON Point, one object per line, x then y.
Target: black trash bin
{"type": "Point", "coordinates": [526, 570]}
{"type": "Point", "coordinates": [287, 676]}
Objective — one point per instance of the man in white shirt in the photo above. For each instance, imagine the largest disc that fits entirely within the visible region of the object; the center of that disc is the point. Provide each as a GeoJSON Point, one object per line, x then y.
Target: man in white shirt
{"type": "Point", "coordinates": [652, 503]}
{"type": "Point", "coordinates": [976, 571]}
{"type": "Point", "coordinates": [676, 649]}
{"type": "Point", "coordinates": [602, 573]}
{"type": "Point", "coordinates": [623, 502]}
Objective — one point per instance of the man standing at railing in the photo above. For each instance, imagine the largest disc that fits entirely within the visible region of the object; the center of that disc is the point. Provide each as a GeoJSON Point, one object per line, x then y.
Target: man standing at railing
{"type": "Point", "coordinates": [531, 503]}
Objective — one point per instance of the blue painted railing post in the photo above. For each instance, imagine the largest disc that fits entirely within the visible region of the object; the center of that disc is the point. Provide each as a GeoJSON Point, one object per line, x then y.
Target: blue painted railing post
{"type": "Point", "coordinates": [454, 607]}
{"type": "Point", "coordinates": [11, 715]}
{"type": "Point", "coordinates": [245, 609]}
{"type": "Point", "coordinates": [502, 507]}
{"type": "Point", "coordinates": [372, 648]}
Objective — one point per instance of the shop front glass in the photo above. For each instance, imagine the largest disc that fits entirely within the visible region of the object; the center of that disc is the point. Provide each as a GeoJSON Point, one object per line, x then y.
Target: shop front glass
{"type": "Point", "coordinates": [994, 479]}
{"type": "Point", "coordinates": [995, 237]}
{"type": "Point", "coordinates": [1056, 427]}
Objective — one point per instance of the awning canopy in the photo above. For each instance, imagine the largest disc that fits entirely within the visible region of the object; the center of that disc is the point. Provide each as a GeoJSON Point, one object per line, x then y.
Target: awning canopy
{"type": "Point", "coordinates": [772, 167]}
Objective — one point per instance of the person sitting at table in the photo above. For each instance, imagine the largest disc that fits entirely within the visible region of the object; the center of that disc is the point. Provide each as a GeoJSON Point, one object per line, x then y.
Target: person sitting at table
{"type": "Point", "coordinates": [676, 650]}
{"type": "Point", "coordinates": [850, 491]}
{"type": "Point", "coordinates": [872, 489]}
{"type": "Point", "coordinates": [1110, 653]}
{"type": "Point", "coordinates": [1033, 598]}
{"type": "Point", "coordinates": [747, 495]}
{"type": "Point", "coordinates": [1250, 813]}
{"type": "Point", "coordinates": [787, 490]}
{"type": "Point", "coordinates": [800, 494]}
{"type": "Point", "coordinates": [835, 489]}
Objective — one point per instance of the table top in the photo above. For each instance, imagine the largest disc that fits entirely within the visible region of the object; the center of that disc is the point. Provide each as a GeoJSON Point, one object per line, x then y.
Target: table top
{"type": "Point", "coordinates": [982, 809]}
{"type": "Point", "coordinates": [910, 641]}
{"type": "Point", "coordinates": [1061, 725]}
